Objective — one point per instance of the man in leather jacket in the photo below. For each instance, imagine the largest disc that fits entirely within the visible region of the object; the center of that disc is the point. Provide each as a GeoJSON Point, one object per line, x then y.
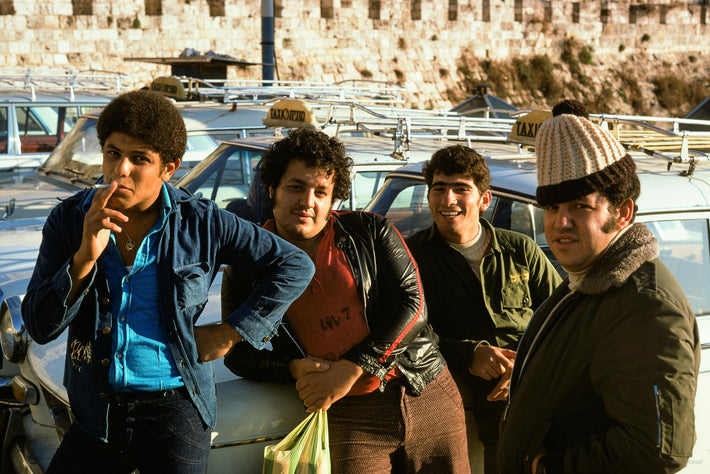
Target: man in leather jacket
{"type": "Point", "coordinates": [357, 342]}
{"type": "Point", "coordinates": [481, 284]}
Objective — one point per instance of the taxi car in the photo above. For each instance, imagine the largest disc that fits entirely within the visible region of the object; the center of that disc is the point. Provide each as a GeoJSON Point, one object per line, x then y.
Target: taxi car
{"type": "Point", "coordinates": [674, 204]}
{"type": "Point", "coordinates": [39, 107]}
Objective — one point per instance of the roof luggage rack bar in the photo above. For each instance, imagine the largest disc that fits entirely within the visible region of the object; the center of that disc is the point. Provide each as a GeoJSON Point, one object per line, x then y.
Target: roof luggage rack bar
{"type": "Point", "coordinates": [61, 79]}
{"type": "Point", "coordinates": [640, 133]}
{"type": "Point", "coordinates": [263, 91]}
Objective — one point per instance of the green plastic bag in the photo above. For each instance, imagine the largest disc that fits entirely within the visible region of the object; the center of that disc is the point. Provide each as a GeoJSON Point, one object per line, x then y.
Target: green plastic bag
{"type": "Point", "coordinates": [305, 450]}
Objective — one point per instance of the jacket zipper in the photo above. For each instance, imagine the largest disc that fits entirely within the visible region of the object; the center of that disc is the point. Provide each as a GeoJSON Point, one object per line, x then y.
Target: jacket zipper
{"type": "Point", "coordinates": [657, 396]}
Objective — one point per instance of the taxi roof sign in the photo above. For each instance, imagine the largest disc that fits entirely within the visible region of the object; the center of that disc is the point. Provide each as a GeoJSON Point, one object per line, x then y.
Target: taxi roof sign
{"type": "Point", "coordinates": [169, 87]}
{"type": "Point", "coordinates": [289, 113]}
{"type": "Point", "coordinates": [526, 126]}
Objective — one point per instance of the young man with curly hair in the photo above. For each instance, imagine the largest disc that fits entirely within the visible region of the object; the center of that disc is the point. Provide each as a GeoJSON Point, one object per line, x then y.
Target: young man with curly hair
{"type": "Point", "coordinates": [357, 342]}
{"type": "Point", "coordinates": [127, 268]}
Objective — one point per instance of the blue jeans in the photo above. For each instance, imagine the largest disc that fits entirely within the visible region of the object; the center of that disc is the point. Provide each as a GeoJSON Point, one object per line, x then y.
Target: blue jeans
{"type": "Point", "coordinates": [164, 434]}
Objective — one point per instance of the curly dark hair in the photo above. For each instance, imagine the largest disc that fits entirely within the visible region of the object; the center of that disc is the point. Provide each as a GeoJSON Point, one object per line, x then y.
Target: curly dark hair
{"type": "Point", "coordinates": [316, 150]}
{"type": "Point", "coordinates": [457, 159]}
{"type": "Point", "coordinates": [148, 116]}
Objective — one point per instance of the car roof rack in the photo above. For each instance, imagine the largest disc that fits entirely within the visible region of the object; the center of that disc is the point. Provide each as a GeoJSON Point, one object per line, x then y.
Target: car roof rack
{"type": "Point", "coordinates": [263, 91]}
{"type": "Point", "coordinates": [667, 138]}
{"type": "Point", "coordinates": [663, 137]}
{"type": "Point", "coordinates": [61, 79]}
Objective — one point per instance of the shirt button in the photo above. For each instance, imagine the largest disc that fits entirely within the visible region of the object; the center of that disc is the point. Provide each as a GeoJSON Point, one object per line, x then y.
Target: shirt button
{"type": "Point", "coordinates": [266, 339]}
{"type": "Point", "coordinates": [104, 301]}
{"type": "Point", "coordinates": [106, 330]}
{"type": "Point", "coordinates": [118, 356]}
{"type": "Point", "coordinates": [102, 396]}
{"type": "Point", "coordinates": [123, 318]}
{"type": "Point", "coordinates": [105, 362]}
{"type": "Point", "coordinates": [526, 300]}
{"type": "Point", "coordinates": [526, 458]}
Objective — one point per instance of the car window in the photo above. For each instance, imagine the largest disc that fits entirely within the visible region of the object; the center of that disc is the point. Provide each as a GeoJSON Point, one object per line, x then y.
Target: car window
{"type": "Point", "coordinates": [683, 248]}
{"type": "Point", "coordinates": [3, 130]}
{"type": "Point", "coordinates": [365, 185]}
{"type": "Point", "coordinates": [42, 127]}
{"type": "Point", "coordinates": [403, 202]}
{"type": "Point", "coordinates": [227, 177]}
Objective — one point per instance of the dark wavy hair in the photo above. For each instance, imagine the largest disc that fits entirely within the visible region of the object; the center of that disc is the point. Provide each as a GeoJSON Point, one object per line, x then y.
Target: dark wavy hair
{"type": "Point", "coordinates": [148, 116]}
{"type": "Point", "coordinates": [458, 159]}
{"type": "Point", "coordinates": [316, 150]}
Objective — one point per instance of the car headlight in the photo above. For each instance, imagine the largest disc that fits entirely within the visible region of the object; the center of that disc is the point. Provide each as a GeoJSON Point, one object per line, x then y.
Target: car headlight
{"type": "Point", "coordinates": [13, 336]}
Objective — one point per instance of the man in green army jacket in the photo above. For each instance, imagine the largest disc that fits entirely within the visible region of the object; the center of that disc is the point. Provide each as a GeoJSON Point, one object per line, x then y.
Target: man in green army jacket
{"type": "Point", "coordinates": [481, 285]}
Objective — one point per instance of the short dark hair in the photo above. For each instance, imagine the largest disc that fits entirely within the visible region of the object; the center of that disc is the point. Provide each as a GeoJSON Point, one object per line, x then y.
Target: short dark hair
{"type": "Point", "coordinates": [148, 116]}
{"type": "Point", "coordinates": [316, 150]}
{"type": "Point", "coordinates": [458, 159]}
{"type": "Point", "coordinates": [628, 187]}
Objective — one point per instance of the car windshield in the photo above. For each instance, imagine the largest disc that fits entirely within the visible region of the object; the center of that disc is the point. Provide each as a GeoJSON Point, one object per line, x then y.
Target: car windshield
{"type": "Point", "coordinates": [79, 157]}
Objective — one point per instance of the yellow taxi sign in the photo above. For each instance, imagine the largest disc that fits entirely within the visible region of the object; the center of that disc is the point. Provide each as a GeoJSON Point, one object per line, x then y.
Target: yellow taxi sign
{"type": "Point", "coordinates": [169, 87]}
{"type": "Point", "coordinates": [526, 126]}
{"type": "Point", "coordinates": [289, 113]}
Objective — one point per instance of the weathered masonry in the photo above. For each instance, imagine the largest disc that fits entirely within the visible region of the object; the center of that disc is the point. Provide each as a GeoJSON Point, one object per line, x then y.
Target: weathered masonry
{"type": "Point", "coordinates": [419, 43]}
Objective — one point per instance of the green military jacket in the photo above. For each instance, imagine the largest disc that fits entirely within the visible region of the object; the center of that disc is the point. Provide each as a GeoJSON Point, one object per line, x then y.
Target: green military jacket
{"type": "Point", "coordinates": [517, 278]}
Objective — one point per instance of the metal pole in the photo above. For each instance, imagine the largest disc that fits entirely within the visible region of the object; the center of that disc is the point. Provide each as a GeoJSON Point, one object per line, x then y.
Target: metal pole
{"type": "Point", "coordinates": [267, 40]}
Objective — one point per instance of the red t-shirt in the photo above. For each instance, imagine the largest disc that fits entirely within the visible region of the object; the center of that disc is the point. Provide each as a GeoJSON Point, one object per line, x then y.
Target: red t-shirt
{"type": "Point", "coordinates": [328, 318]}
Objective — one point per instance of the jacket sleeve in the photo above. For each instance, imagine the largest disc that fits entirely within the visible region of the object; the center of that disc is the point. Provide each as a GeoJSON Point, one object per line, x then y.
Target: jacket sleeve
{"type": "Point", "coordinates": [400, 314]}
{"type": "Point", "coordinates": [644, 368]}
{"type": "Point", "coordinates": [245, 360]}
{"type": "Point", "coordinates": [279, 273]}
{"type": "Point", "coordinates": [44, 308]}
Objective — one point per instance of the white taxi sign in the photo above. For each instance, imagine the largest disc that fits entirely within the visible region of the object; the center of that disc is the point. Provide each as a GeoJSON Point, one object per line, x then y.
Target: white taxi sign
{"type": "Point", "coordinates": [289, 113]}
{"type": "Point", "coordinates": [526, 126]}
{"type": "Point", "coordinates": [169, 87]}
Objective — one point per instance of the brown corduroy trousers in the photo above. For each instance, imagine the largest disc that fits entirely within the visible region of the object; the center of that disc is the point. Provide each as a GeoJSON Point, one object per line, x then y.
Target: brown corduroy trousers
{"type": "Point", "coordinates": [392, 431]}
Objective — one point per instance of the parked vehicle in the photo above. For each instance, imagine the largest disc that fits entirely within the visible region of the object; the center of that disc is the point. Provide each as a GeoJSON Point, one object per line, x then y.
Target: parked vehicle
{"type": "Point", "coordinates": [39, 107]}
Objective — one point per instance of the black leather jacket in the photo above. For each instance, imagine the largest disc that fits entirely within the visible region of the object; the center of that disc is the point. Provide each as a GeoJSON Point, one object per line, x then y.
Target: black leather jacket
{"type": "Point", "coordinates": [389, 288]}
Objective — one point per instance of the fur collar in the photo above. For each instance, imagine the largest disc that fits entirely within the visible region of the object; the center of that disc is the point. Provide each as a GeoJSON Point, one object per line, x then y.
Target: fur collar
{"type": "Point", "coordinates": [623, 257]}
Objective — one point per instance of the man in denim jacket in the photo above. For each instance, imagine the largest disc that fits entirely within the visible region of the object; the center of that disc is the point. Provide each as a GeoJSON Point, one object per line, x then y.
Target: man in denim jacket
{"type": "Point", "coordinates": [127, 268]}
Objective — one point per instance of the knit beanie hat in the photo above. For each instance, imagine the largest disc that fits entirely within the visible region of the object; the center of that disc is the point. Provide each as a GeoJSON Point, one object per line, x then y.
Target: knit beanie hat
{"type": "Point", "coordinates": [576, 157]}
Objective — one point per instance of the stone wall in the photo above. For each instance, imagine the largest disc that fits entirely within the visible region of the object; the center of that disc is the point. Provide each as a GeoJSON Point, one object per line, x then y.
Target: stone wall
{"type": "Point", "coordinates": [419, 43]}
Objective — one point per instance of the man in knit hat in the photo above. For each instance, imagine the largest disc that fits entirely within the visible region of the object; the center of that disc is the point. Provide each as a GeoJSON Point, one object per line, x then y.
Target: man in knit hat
{"type": "Point", "coordinates": [605, 375]}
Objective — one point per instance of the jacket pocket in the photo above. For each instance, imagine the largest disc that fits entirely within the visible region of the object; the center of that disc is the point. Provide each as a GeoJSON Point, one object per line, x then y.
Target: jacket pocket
{"type": "Point", "coordinates": [192, 283]}
{"type": "Point", "coordinates": [515, 295]}
{"type": "Point", "coordinates": [675, 423]}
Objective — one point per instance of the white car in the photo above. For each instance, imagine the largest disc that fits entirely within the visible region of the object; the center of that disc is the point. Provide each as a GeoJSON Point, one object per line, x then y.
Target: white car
{"type": "Point", "coordinates": [38, 107]}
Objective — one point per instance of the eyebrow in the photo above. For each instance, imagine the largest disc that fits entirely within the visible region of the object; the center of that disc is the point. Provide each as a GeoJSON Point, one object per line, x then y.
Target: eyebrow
{"type": "Point", "coordinates": [456, 183]}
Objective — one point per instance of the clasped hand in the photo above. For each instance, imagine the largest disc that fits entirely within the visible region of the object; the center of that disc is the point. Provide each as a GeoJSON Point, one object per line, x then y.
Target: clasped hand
{"type": "Point", "coordinates": [321, 382]}
{"type": "Point", "coordinates": [490, 362]}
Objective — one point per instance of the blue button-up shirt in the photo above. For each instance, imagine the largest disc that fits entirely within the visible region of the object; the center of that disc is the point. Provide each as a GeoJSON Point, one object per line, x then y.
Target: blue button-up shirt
{"type": "Point", "coordinates": [142, 359]}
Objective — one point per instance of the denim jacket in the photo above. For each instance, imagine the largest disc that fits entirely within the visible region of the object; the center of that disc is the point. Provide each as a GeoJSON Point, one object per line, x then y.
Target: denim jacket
{"type": "Point", "coordinates": [197, 240]}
